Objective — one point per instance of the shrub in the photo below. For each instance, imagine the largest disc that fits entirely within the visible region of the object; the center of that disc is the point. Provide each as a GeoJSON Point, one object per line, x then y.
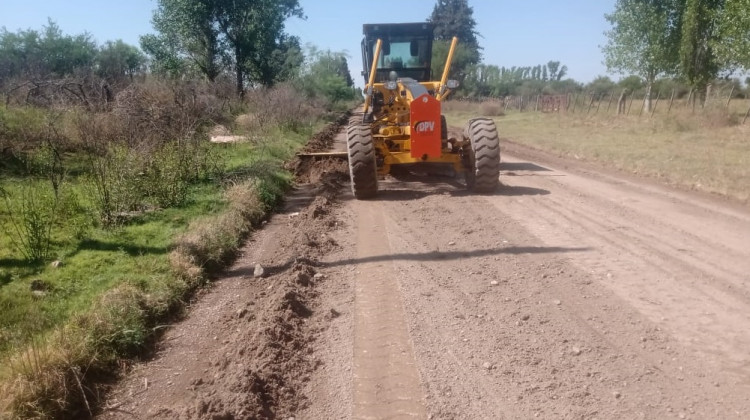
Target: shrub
{"type": "Point", "coordinates": [115, 185]}
{"type": "Point", "coordinates": [284, 107]}
{"type": "Point", "coordinates": [32, 211]}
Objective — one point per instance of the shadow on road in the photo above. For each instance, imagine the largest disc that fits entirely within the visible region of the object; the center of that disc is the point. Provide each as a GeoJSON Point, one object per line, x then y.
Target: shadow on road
{"type": "Point", "coordinates": [424, 256]}
{"type": "Point", "coordinates": [513, 191]}
{"type": "Point", "coordinates": [522, 166]}
{"type": "Point", "coordinates": [456, 255]}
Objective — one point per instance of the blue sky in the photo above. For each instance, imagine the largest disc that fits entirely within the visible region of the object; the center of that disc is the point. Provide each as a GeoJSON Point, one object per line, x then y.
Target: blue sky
{"type": "Point", "coordinates": [514, 33]}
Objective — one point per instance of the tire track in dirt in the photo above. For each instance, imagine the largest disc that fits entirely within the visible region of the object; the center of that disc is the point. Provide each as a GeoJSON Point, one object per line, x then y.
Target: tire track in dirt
{"type": "Point", "coordinates": [678, 270]}
{"type": "Point", "coordinates": [386, 381]}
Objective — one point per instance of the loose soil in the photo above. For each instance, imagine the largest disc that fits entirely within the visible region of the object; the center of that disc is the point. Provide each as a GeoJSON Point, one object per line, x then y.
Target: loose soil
{"type": "Point", "coordinates": [573, 292]}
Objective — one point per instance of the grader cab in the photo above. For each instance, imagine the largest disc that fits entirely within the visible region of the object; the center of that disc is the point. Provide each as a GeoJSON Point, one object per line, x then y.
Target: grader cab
{"type": "Point", "coordinates": [402, 125]}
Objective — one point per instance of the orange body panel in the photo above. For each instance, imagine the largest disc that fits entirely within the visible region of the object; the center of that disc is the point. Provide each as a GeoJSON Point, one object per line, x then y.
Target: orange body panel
{"type": "Point", "coordinates": [425, 127]}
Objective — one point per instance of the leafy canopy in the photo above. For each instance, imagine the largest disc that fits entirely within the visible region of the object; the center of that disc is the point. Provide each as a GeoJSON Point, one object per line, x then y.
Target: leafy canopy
{"type": "Point", "coordinates": [644, 38]}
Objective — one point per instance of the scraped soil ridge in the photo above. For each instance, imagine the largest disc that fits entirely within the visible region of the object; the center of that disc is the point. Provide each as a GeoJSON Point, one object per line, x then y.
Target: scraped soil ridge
{"type": "Point", "coordinates": [245, 350]}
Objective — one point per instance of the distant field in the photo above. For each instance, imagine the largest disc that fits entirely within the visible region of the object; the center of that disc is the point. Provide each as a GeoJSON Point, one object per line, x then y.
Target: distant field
{"type": "Point", "coordinates": [707, 150]}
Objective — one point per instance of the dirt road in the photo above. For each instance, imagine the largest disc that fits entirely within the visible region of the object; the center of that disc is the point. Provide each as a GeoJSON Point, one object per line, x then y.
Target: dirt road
{"type": "Point", "coordinates": [571, 293]}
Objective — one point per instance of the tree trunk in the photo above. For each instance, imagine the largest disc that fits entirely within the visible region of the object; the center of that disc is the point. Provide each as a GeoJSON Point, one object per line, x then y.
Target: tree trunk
{"type": "Point", "coordinates": [709, 88]}
{"type": "Point", "coordinates": [238, 57]}
{"type": "Point", "coordinates": [647, 97]}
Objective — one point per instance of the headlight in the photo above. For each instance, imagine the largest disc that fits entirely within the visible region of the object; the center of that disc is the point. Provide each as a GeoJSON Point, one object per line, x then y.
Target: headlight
{"type": "Point", "coordinates": [391, 85]}
{"type": "Point", "coordinates": [452, 84]}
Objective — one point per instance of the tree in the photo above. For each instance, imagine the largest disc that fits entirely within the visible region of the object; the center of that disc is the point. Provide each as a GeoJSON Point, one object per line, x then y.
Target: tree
{"type": "Point", "coordinates": [247, 35]}
{"type": "Point", "coordinates": [43, 54]}
{"type": "Point", "coordinates": [733, 44]}
{"type": "Point", "coordinates": [117, 60]}
{"type": "Point", "coordinates": [327, 75]}
{"type": "Point", "coordinates": [187, 31]}
{"type": "Point", "coordinates": [454, 18]}
{"type": "Point", "coordinates": [556, 72]}
{"type": "Point", "coordinates": [698, 63]}
{"type": "Point", "coordinates": [644, 39]}
{"type": "Point", "coordinates": [254, 31]}
{"type": "Point", "coordinates": [601, 85]}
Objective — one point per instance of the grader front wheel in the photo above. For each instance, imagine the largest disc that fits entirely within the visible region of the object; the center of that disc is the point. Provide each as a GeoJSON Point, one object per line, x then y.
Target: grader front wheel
{"type": "Point", "coordinates": [482, 155]}
{"type": "Point", "coordinates": [362, 166]}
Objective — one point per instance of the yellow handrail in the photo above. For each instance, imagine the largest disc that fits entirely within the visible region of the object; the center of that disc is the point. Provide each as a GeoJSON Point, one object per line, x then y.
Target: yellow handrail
{"type": "Point", "coordinates": [447, 68]}
{"type": "Point", "coordinates": [373, 69]}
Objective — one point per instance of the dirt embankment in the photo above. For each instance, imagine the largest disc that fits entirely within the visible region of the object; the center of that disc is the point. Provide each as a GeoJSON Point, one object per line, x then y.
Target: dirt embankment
{"type": "Point", "coordinates": [571, 293]}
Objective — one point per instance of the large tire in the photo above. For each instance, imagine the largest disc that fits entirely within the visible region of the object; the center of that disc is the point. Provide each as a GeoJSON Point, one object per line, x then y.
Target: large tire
{"type": "Point", "coordinates": [482, 155]}
{"type": "Point", "coordinates": [362, 166]}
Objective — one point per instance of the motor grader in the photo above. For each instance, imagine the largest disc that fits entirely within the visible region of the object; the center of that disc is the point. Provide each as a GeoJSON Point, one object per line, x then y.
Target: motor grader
{"type": "Point", "coordinates": [402, 126]}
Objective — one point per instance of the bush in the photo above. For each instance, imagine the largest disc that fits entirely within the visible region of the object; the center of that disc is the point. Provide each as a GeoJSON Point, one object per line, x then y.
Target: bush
{"type": "Point", "coordinates": [115, 183]}
{"type": "Point", "coordinates": [32, 210]}
{"type": "Point", "coordinates": [284, 107]}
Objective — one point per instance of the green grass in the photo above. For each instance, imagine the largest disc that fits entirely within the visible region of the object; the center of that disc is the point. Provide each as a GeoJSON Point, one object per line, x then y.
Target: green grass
{"type": "Point", "coordinates": [135, 254]}
{"type": "Point", "coordinates": [706, 151]}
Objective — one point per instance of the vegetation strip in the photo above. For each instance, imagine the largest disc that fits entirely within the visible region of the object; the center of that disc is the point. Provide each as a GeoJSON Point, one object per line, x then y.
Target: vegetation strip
{"type": "Point", "coordinates": [58, 373]}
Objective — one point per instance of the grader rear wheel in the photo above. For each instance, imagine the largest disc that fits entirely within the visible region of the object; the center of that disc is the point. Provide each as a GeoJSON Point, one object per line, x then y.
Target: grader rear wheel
{"type": "Point", "coordinates": [482, 155]}
{"type": "Point", "coordinates": [362, 166]}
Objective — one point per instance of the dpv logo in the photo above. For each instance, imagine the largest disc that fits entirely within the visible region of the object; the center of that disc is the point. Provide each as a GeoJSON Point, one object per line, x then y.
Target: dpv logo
{"type": "Point", "coordinates": [424, 127]}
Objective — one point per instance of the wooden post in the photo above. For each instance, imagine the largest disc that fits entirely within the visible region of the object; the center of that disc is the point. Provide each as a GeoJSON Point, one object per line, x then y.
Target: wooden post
{"type": "Point", "coordinates": [729, 99]}
{"type": "Point", "coordinates": [653, 110]}
{"type": "Point", "coordinates": [599, 104]}
{"type": "Point", "coordinates": [632, 98]}
{"type": "Point", "coordinates": [746, 114]}
{"type": "Point", "coordinates": [612, 96]}
{"type": "Point", "coordinates": [575, 102]}
{"type": "Point", "coordinates": [591, 103]}
{"type": "Point", "coordinates": [536, 107]}
{"type": "Point", "coordinates": [643, 103]}
{"type": "Point", "coordinates": [671, 100]}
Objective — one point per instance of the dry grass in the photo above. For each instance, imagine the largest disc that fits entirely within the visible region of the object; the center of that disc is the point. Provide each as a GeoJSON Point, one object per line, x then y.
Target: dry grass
{"type": "Point", "coordinates": [707, 150]}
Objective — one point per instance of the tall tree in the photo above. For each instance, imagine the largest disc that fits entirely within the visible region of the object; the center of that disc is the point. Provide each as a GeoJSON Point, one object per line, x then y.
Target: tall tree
{"type": "Point", "coordinates": [187, 30]}
{"type": "Point", "coordinates": [327, 74]}
{"type": "Point", "coordinates": [698, 62]}
{"type": "Point", "coordinates": [556, 72]}
{"type": "Point", "coordinates": [455, 18]}
{"type": "Point", "coordinates": [246, 34]}
{"type": "Point", "coordinates": [644, 39]}
{"type": "Point", "coordinates": [733, 46]}
{"type": "Point", "coordinates": [254, 32]}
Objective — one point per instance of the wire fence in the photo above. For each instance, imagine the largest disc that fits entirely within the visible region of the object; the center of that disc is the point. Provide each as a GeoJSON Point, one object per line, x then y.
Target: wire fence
{"type": "Point", "coordinates": [623, 103]}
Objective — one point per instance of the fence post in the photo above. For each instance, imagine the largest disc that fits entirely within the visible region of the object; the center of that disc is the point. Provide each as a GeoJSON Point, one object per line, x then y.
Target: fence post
{"type": "Point", "coordinates": [690, 95]}
{"type": "Point", "coordinates": [575, 102]}
{"type": "Point", "coordinates": [746, 114]}
{"type": "Point", "coordinates": [653, 110]}
{"type": "Point", "coordinates": [671, 100]}
{"type": "Point", "coordinates": [612, 96]}
{"type": "Point", "coordinates": [591, 103]}
{"type": "Point", "coordinates": [729, 99]}
{"type": "Point", "coordinates": [632, 98]}
{"type": "Point", "coordinates": [643, 103]}
{"type": "Point", "coordinates": [536, 108]}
